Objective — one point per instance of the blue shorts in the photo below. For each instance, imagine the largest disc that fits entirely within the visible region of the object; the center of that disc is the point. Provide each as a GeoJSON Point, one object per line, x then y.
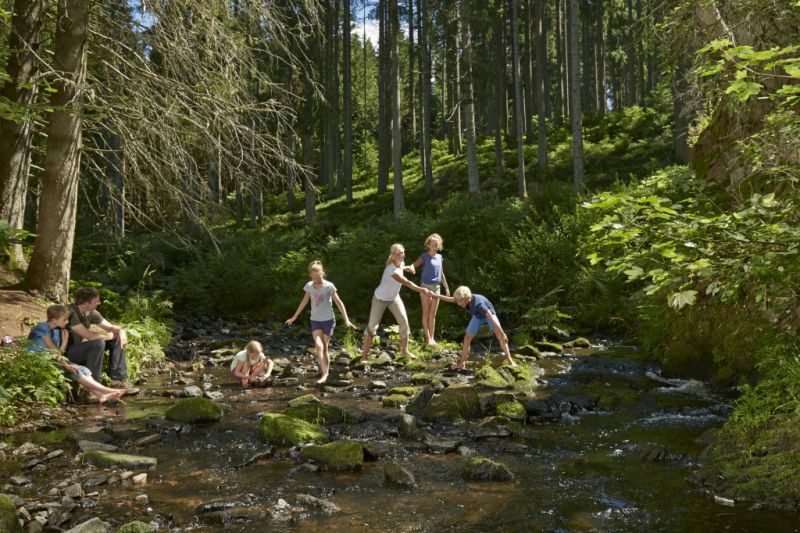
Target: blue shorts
{"type": "Point", "coordinates": [325, 325]}
{"type": "Point", "coordinates": [475, 323]}
{"type": "Point", "coordinates": [82, 371]}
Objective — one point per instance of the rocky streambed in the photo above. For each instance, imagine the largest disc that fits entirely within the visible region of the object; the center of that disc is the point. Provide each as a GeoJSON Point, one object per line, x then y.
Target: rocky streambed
{"type": "Point", "coordinates": [572, 439]}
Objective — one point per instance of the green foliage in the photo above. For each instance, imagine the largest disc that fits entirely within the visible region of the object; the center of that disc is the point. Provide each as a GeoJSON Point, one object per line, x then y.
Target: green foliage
{"type": "Point", "coordinates": [27, 378]}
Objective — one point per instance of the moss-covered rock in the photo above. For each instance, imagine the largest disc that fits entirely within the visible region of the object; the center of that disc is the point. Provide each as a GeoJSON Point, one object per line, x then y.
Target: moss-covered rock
{"type": "Point", "coordinates": [483, 469]}
{"type": "Point", "coordinates": [285, 430]}
{"type": "Point", "coordinates": [513, 410]}
{"type": "Point", "coordinates": [524, 372]}
{"type": "Point", "coordinates": [338, 456]}
{"type": "Point", "coordinates": [318, 413]}
{"type": "Point", "coordinates": [395, 400]}
{"type": "Point", "coordinates": [528, 351]}
{"type": "Point", "coordinates": [110, 459]}
{"type": "Point", "coordinates": [416, 365]}
{"type": "Point", "coordinates": [488, 378]}
{"type": "Point", "coordinates": [405, 391]}
{"type": "Point", "coordinates": [8, 516]}
{"type": "Point", "coordinates": [305, 399]}
{"type": "Point", "coordinates": [136, 527]}
{"type": "Point", "coordinates": [613, 396]}
{"type": "Point", "coordinates": [580, 342]}
{"type": "Point", "coordinates": [396, 474]}
{"type": "Point", "coordinates": [422, 378]}
{"type": "Point", "coordinates": [546, 346]}
{"type": "Point", "coordinates": [194, 410]}
{"type": "Point", "coordinates": [455, 403]}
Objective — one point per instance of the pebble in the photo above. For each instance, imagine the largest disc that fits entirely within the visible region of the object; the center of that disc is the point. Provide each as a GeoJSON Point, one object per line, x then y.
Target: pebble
{"type": "Point", "coordinates": [20, 480]}
{"type": "Point", "coordinates": [126, 475]}
{"type": "Point", "coordinates": [140, 479]}
{"type": "Point", "coordinates": [142, 499]}
{"type": "Point", "coordinates": [73, 491]}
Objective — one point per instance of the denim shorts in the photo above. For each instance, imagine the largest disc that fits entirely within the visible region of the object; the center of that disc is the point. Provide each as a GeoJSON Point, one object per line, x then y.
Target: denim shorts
{"type": "Point", "coordinates": [82, 371]}
{"type": "Point", "coordinates": [325, 325]}
{"type": "Point", "coordinates": [475, 324]}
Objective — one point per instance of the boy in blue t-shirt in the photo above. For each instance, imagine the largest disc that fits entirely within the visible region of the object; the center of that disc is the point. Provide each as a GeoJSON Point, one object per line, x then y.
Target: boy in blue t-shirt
{"type": "Point", "coordinates": [51, 336]}
{"type": "Point", "coordinates": [482, 312]}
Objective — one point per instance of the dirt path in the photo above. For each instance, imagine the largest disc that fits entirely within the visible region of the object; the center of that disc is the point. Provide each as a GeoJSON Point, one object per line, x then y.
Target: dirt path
{"type": "Point", "coordinates": [19, 311]}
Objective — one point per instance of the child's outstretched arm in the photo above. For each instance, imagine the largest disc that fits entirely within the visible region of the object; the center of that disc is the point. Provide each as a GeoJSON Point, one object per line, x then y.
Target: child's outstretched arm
{"type": "Point", "coordinates": [443, 297]}
{"type": "Point", "coordinates": [340, 305]}
{"type": "Point", "coordinates": [300, 308]}
{"type": "Point", "coordinates": [444, 282]}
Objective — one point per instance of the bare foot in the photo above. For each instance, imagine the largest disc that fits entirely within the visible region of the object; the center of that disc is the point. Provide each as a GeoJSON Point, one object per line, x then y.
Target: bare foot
{"type": "Point", "coordinates": [432, 342]}
{"type": "Point", "coordinates": [458, 366]}
{"type": "Point", "coordinates": [512, 363]}
{"type": "Point", "coordinates": [103, 398]}
{"type": "Point", "coordinates": [322, 380]}
{"type": "Point", "coordinates": [411, 355]}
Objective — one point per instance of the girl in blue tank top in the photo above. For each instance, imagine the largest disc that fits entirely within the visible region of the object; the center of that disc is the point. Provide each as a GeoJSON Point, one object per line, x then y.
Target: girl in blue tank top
{"type": "Point", "coordinates": [432, 279]}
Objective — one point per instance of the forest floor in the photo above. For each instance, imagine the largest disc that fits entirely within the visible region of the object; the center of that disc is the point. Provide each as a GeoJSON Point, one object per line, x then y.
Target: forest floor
{"type": "Point", "coordinates": [19, 310]}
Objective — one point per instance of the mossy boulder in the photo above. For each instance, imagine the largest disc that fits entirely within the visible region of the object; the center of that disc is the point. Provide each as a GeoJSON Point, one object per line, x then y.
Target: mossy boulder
{"type": "Point", "coordinates": [405, 391]}
{"type": "Point", "coordinates": [305, 399]}
{"type": "Point", "coordinates": [340, 455]}
{"type": "Point", "coordinates": [285, 430]}
{"type": "Point", "coordinates": [396, 474]}
{"type": "Point", "coordinates": [318, 413]}
{"type": "Point", "coordinates": [136, 527]}
{"type": "Point", "coordinates": [122, 460]}
{"type": "Point", "coordinates": [194, 410]}
{"type": "Point", "coordinates": [528, 351]}
{"type": "Point", "coordinates": [488, 378]}
{"type": "Point", "coordinates": [524, 372]}
{"type": "Point", "coordinates": [8, 516]}
{"type": "Point", "coordinates": [454, 404]}
{"type": "Point", "coordinates": [607, 396]}
{"type": "Point", "coordinates": [513, 410]}
{"type": "Point", "coordinates": [395, 400]}
{"type": "Point", "coordinates": [416, 365]}
{"type": "Point", "coordinates": [580, 342]}
{"type": "Point", "coordinates": [547, 346]}
{"type": "Point", "coordinates": [483, 469]}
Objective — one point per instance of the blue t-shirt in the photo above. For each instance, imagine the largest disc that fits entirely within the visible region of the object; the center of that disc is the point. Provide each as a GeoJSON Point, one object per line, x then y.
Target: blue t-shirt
{"type": "Point", "coordinates": [479, 305]}
{"type": "Point", "coordinates": [43, 330]}
{"type": "Point", "coordinates": [432, 269]}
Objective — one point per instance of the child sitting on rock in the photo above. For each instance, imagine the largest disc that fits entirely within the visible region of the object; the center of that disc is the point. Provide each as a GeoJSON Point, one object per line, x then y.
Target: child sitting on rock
{"type": "Point", "coordinates": [251, 367]}
{"type": "Point", "coordinates": [482, 312]}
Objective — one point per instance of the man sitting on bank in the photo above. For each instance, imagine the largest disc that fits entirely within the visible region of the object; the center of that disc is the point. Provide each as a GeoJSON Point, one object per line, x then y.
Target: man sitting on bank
{"type": "Point", "coordinates": [87, 347]}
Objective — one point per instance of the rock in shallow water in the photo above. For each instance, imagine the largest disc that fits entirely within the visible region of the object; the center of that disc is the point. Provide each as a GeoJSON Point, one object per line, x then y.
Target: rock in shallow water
{"type": "Point", "coordinates": [483, 469]}
{"type": "Point", "coordinates": [394, 473]}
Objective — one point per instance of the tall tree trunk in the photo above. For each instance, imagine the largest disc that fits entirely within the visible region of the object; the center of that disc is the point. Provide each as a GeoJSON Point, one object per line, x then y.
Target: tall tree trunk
{"type": "Point", "coordinates": [425, 86]}
{"type": "Point", "coordinates": [49, 269]}
{"type": "Point", "coordinates": [215, 170]}
{"type": "Point", "coordinates": [454, 77]}
{"type": "Point", "coordinates": [384, 117]}
{"type": "Point", "coordinates": [337, 118]}
{"type": "Point", "coordinates": [541, 83]}
{"type": "Point", "coordinates": [113, 159]}
{"type": "Point", "coordinates": [474, 183]}
{"type": "Point", "coordinates": [601, 59]}
{"type": "Point", "coordinates": [291, 178]}
{"type": "Point", "coordinates": [560, 94]}
{"type": "Point", "coordinates": [412, 100]}
{"type": "Point", "coordinates": [15, 136]}
{"type": "Point", "coordinates": [348, 106]}
{"type": "Point", "coordinates": [308, 146]}
{"type": "Point", "coordinates": [630, 60]}
{"type": "Point", "coordinates": [575, 98]}
{"type": "Point", "coordinates": [397, 138]}
{"type": "Point", "coordinates": [680, 88]}
{"type": "Point", "coordinates": [522, 188]}
{"type": "Point", "coordinates": [499, 90]}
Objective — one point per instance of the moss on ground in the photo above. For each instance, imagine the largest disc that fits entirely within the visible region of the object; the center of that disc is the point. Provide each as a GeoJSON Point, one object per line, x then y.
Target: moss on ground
{"type": "Point", "coordinates": [339, 455]}
{"type": "Point", "coordinates": [8, 516]}
{"type": "Point", "coordinates": [488, 378]}
{"type": "Point", "coordinates": [194, 410]}
{"type": "Point", "coordinates": [513, 410]}
{"type": "Point", "coordinates": [285, 430]}
{"type": "Point", "coordinates": [318, 413]}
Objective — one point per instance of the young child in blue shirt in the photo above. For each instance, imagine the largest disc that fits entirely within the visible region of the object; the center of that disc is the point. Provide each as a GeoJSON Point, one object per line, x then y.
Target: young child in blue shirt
{"type": "Point", "coordinates": [482, 312]}
{"type": "Point", "coordinates": [433, 279]}
{"type": "Point", "coordinates": [51, 335]}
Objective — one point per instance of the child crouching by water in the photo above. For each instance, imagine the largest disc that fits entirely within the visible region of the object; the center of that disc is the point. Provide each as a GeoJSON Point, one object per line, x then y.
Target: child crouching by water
{"type": "Point", "coordinates": [482, 312]}
{"type": "Point", "coordinates": [251, 366]}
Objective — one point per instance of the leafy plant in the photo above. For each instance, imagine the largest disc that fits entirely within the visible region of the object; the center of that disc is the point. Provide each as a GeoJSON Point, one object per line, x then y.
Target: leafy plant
{"type": "Point", "coordinates": [27, 378]}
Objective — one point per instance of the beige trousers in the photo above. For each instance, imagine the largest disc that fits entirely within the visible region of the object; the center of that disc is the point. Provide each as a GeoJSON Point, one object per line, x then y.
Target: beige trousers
{"type": "Point", "coordinates": [398, 310]}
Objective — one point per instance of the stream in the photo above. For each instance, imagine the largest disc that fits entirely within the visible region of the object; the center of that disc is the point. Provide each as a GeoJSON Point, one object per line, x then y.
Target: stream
{"type": "Point", "coordinates": [611, 449]}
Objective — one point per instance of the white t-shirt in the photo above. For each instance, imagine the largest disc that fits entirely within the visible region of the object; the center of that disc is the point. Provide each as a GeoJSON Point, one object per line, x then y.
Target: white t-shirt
{"type": "Point", "coordinates": [321, 306]}
{"type": "Point", "coordinates": [241, 357]}
{"type": "Point", "coordinates": [389, 288]}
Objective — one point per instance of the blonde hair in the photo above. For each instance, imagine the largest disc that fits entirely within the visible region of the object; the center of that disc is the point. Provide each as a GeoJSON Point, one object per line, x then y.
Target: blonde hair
{"type": "Point", "coordinates": [54, 312]}
{"type": "Point", "coordinates": [434, 237]}
{"type": "Point", "coordinates": [316, 265]}
{"type": "Point", "coordinates": [462, 293]}
{"type": "Point", "coordinates": [253, 347]}
{"type": "Point", "coordinates": [395, 249]}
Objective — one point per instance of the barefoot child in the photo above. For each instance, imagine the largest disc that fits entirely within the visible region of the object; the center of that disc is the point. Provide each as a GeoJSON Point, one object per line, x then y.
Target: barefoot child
{"type": "Point", "coordinates": [321, 292]}
{"type": "Point", "coordinates": [251, 366]}
{"type": "Point", "coordinates": [51, 336]}
{"type": "Point", "coordinates": [482, 312]}
{"type": "Point", "coordinates": [432, 279]}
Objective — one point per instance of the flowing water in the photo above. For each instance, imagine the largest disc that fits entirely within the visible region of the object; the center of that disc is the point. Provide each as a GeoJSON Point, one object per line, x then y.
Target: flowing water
{"type": "Point", "coordinates": [622, 466]}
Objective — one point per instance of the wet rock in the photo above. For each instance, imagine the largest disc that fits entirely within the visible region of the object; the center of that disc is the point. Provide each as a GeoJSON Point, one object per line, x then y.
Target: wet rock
{"type": "Point", "coordinates": [214, 395]}
{"type": "Point", "coordinates": [528, 351]}
{"type": "Point", "coordinates": [338, 456]}
{"type": "Point", "coordinates": [305, 399]}
{"type": "Point", "coordinates": [95, 525]}
{"type": "Point", "coordinates": [394, 473]}
{"type": "Point", "coordinates": [490, 432]}
{"type": "Point", "coordinates": [580, 342]}
{"type": "Point", "coordinates": [342, 360]}
{"type": "Point", "coordinates": [318, 413]}
{"type": "Point", "coordinates": [551, 347]}
{"type": "Point", "coordinates": [139, 479]}
{"type": "Point", "coordinates": [32, 463]}
{"type": "Point", "coordinates": [422, 378]}
{"type": "Point", "coordinates": [456, 403]}
{"type": "Point", "coordinates": [141, 499]}
{"type": "Point", "coordinates": [136, 527]}
{"type": "Point", "coordinates": [74, 491]}
{"type": "Point", "coordinates": [489, 400]}
{"type": "Point", "coordinates": [488, 378]}
{"type": "Point", "coordinates": [8, 516]}
{"type": "Point", "coordinates": [323, 506]}
{"type": "Point", "coordinates": [20, 480]}
{"type": "Point", "coordinates": [26, 449]}
{"type": "Point", "coordinates": [511, 409]}
{"type": "Point", "coordinates": [110, 459]}
{"type": "Point", "coordinates": [86, 445]}
{"type": "Point", "coordinates": [483, 469]}
{"type": "Point", "coordinates": [194, 410]}
{"type": "Point", "coordinates": [377, 384]}
{"type": "Point", "coordinates": [442, 445]}
{"type": "Point", "coordinates": [283, 511]}
{"type": "Point", "coordinates": [147, 440]}
{"type": "Point", "coordinates": [53, 455]}
{"type": "Point", "coordinates": [654, 452]}
{"type": "Point", "coordinates": [395, 400]}
{"type": "Point", "coordinates": [95, 481]}
{"type": "Point", "coordinates": [193, 391]}
{"type": "Point", "coordinates": [407, 427]}
{"type": "Point", "coordinates": [285, 430]}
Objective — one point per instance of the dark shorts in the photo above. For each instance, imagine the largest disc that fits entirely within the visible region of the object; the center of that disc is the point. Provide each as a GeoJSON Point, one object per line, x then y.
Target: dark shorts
{"type": "Point", "coordinates": [325, 325]}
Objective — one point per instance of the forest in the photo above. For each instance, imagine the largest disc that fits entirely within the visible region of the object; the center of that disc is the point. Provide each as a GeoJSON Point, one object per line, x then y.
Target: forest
{"type": "Point", "coordinates": [621, 170]}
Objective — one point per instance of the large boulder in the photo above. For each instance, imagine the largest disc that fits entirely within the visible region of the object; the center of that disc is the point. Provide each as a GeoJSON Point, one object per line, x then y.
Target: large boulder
{"type": "Point", "coordinates": [287, 431]}
{"type": "Point", "coordinates": [103, 458]}
{"type": "Point", "coordinates": [95, 525]}
{"type": "Point", "coordinates": [194, 410]}
{"type": "Point", "coordinates": [8, 515]}
{"type": "Point", "coordinates": [483, 469]}
{"type": "Point", "coordinates": [136, 527]}
{"type": "Point", "coordinates": [454, 404]}
{"type": "Point", "coordinates": [339, 455]}
{"type": "Point", "coordinates": [489, 378]}
{"type": "Point", "coordinates": [318, 413]}
{"type": "Point", "coordinates": [511, 409]}
{"type": "Point", "coordinates": [396, 474]}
